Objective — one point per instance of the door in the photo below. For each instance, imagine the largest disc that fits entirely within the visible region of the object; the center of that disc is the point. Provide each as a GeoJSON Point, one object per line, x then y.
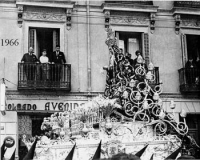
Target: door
{"type": "Point", "coordinates": [44, 38]}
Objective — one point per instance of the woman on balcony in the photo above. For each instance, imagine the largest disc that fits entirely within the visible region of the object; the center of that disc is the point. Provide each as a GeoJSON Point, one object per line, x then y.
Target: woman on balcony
{"type": "Point", "coordinates": [44, 60]}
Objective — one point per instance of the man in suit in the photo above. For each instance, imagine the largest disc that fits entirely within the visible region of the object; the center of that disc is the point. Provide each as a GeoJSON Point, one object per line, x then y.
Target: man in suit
{"type": "Point", "coordinates": [57, 58]}
{"type": "Point", "coordinates": [29, 67]}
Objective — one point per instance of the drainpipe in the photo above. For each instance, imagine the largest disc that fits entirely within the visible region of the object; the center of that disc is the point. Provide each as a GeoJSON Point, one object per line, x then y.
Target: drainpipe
{"type": "Point", "coordinates": [88, 49]}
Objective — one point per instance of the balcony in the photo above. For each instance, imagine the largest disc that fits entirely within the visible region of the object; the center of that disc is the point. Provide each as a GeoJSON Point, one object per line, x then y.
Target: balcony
{"type": "Point", "coordinates": [156, 77]}
{"type": "Point", "coordinates": [44, 76]}
{"type": "Point", "coordinates": [189, 80]}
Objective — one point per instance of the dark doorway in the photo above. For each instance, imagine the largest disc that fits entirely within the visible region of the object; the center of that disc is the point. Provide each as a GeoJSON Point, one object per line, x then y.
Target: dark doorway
{"type": "Point", "coordinates": [44, 38]}
{"type": "Point", "coordinates": [193, 46]}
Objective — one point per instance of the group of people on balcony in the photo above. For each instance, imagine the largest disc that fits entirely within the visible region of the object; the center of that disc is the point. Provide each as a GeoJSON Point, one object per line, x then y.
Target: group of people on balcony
{"type": "Point", "coordinates": [56, 59]}
{"type": "Point", "coordinates": [192, 71]}
{"type": "Point", "coordinates": [121, 65]}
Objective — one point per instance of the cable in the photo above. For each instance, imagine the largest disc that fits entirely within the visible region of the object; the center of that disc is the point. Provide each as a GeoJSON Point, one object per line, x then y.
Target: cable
{"type": "Point", "coordinates": [4, 79]}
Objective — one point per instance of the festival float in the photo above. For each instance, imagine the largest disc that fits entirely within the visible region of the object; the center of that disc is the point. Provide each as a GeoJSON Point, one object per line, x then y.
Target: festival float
{"type": "Point", "coordinates": [128, 118]}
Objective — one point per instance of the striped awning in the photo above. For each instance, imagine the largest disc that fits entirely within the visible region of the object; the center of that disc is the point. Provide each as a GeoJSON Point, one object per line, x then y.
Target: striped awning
{"type": "Point", "coordinates": [189, 106]}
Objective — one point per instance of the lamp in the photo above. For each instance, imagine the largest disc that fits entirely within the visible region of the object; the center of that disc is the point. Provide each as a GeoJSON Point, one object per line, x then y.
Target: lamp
{"type": "Point", "coordinates": [138, 96]}
{"type": "Point", "coordinates": [132, 83]}
{"type": "Point", "coordinates": [162, 114]}
{"type": "Point", "coordinates": [148, 75]}
{"type": "Point", "coordinates": [146, 105]}
{"type": "Point", "coordinates": [156, 96]}
{"type": "Point", "coordinates": [151, 66]}
{"type": "Point", "coordinates": [183, 113]}
{"type": "Point", "coordinates": [160, 102]}
{"type": "Point", "coordinates": [172, 105]}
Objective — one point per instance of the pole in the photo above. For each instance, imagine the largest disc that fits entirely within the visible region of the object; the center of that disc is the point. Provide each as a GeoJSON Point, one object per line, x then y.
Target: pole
{"type": "Point", "coordinates": [88, 48]}
{"type": "Point", "coordinates": [3, 81]}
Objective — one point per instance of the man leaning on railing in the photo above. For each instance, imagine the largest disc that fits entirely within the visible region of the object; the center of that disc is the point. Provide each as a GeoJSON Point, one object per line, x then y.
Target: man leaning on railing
{"type": "Point", "coordinates": [29, 67]}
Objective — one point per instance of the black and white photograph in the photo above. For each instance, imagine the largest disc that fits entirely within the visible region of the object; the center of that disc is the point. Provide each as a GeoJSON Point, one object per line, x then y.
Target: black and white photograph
{"type": "Point", "coordinates": [99, 79]}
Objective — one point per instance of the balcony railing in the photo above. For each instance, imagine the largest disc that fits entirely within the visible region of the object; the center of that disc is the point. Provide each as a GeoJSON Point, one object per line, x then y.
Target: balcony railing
{"type": "Point", "coordinates": [44, 76]}
{"type": "Point", "coordinates": [189, 79]}
{"type": "Point", "coordinates": [188, 4]}
{"type": "Point", "coordinates": [156, 76]}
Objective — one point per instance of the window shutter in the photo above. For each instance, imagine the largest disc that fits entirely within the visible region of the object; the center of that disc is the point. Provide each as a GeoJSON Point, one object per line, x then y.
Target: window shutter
{"type": "Point", "coordinates": [117, 36]}
{"type": "Point", "coordinates": [55, 39]}
{"type": "Point", "coordinates": [184, 49]}
{"type": "Point", "coordinates": [146, 47]}
{"type": "Point", "coordinates": [33, 40]}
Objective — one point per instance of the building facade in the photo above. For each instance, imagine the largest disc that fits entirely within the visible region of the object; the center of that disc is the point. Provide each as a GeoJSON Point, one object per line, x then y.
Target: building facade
{"type": "Point", "coordinates": [166, 32]}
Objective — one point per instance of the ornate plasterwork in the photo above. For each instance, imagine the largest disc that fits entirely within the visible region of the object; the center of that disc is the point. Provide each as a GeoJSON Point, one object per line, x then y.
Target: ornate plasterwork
{"type": "Point", "coordinates": [190, 23]}
{"type": "Point", "coordinates": [44, 16]}
{"type": "Point", "coordinates": [129, 20]}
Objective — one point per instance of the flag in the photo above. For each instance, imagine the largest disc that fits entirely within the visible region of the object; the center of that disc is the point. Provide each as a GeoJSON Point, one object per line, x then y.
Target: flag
{"type": "Point", "coordinates": [97, 154]}
{"type": "Point", "coordinates": [31, 151]}
{"type": "Point", "coordinates": [71, 153]}
{"type": "Point", "coordinates": [139, 153]}
{"type": "Point", "coordinates": [13, 156]}
{"type": "Point", "coordinates": [174, 154]}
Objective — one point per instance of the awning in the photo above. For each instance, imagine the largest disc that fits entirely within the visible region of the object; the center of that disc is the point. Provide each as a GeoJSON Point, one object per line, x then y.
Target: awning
{"type": "Point", "coordinates": [188, 106]}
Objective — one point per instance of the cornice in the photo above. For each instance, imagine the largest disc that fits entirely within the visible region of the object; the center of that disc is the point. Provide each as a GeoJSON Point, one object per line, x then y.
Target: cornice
{"type": "Point", "coordinates": [130, 8]}
{"type": "Point", "coordinates": [46, 4]}
{"type": "Point", "coordinates": [187, 11]}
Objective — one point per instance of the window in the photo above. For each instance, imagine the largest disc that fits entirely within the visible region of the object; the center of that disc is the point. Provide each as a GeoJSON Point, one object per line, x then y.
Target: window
{"type": "Point", "coordinates": [190, 47]}
{"type": "Point", "coordinates": [193, 46]}
{"type": "Point", "coordinates": [133, 41]}
{"type": "Point", "coordinates": [44, 38]}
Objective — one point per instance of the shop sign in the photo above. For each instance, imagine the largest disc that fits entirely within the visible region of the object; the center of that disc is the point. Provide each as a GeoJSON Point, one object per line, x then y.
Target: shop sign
{"type": "Point", "coordinates": [42, 105]}
{"type": "Point", "coordinates": [9, 141]}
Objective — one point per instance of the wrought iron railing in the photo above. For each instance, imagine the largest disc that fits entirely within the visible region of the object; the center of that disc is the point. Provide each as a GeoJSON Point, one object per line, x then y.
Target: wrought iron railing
{"type": "Point", "coordinates": [44, 76]}
{"type": "Point", "coordinates": [188, 4]}
{"type": "Point", "coordinates": [156, 74]}
{"type": "Point", "coordinates": [189, 79]}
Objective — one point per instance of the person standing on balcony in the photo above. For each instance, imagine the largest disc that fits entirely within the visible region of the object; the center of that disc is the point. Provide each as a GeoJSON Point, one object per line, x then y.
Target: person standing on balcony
{"type": "Point", "coordinates": [29, 67]}
{"type": "Point", "coordinates": [44, 60]}
{"type": "Point", "coordinates": [190, 71]}
{"type": "Point", "coordinates": [137, 53]}
{"type": "Point", "coordinates": [57, 58]}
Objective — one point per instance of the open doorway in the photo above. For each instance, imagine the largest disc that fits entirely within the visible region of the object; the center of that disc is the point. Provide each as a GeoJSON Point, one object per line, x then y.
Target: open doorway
{"type": "Point", "coordinates": [130, 42]}
{"type": "Point", "coordinates": [193, 46]}
{"type": "Point", "coordinates": [44, 38]}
